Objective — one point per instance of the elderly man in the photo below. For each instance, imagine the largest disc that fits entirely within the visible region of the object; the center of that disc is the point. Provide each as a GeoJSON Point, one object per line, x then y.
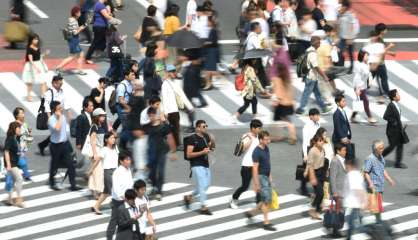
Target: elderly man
{"type": "Point", "coordinates": [375, 174]}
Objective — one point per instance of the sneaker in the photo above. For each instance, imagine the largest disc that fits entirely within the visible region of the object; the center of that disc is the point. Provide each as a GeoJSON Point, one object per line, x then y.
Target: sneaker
{"type": "Point", "coordinates": [28, 179]}
{"type": "Point", "coordinates": [248, 215]}
{"type": "Point", "coordinates": [299, 111]}
{"type": "Point", "coordinates": [371, 120]}
{"type": "Point", "coordinates": [205, 211]}
{"type": "Point", "coordinates": [326, 110]}
{"type": "Point", "coordinates": [269, 227]}
{"type": "Point", "coordinates": [187, 201]}
{"type": "Point", "coordinates": [233, 204]}
{"type": "Point", "coordinates": [158, 197]}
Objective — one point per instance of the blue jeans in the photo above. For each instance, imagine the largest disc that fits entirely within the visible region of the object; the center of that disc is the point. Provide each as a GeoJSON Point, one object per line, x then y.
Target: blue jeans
{"type": "Point", "coordinates": [125, 135]}
{"type": "Point", "coordinates": [23, 165]}
{"type": "Point", "coordinates": [351, 221]}
{"type": "Point", "coordinates": [156, 167]}
{"type": "Point", "coordinates": [311, 86]}
{"type": "Point", "coordinates": [202, 177]}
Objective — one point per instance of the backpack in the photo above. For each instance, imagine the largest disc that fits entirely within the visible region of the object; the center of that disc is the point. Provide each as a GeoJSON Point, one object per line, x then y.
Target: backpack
{"type": "Point", "coordinates": [188, 140]}
{"type": "Point", "coordinates": [302, 68]}
{"type": "Point", "coordinates": [42, 117]}
{"type": "Point", "coordinates": [112, 104]}
{"type": "Point", "coordinates": [74, 126]}
{"type": "Point", "coordinates": [239, 146]}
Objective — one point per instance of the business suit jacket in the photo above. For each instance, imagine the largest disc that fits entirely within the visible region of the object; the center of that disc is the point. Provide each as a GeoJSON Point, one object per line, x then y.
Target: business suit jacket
{"type": "Point", "coordinates": [394, 124]}
{"type": "Point", "coordinates": [337, 175]}
{"type": "Point", "coordinates": [125, 223]}
{"type": "Point", "coordinates": [83, 128]}
{"type": "Point", "coordinates": [342, 127]}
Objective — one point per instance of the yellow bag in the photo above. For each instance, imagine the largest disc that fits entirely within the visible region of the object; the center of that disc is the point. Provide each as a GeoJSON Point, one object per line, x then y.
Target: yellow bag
{"type": "Point", "coordinates": [274, 204]}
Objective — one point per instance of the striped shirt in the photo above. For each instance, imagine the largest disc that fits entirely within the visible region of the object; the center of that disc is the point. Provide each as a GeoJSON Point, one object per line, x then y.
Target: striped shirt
{"type": "Point", "coordinates": [72, 26]}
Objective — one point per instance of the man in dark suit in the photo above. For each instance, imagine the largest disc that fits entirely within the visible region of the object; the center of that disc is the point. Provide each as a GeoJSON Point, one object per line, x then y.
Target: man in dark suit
{"type": "Point", "coordinates": [394, 129]}
{"type": "Point", "coordinates": [127, 218]}
{"type": "Point", "coordinates": [342, 129]}
{"type": "Point", "coordinates": [84, 123]}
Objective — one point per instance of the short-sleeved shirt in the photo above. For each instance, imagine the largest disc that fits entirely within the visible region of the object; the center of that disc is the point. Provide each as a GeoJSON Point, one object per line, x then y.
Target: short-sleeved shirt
{"type": "Point", "coordinates": [143, 206]}
{"type": "Point", "coordinates": [375, 167]}
{"type": "Point", "coordinates": [58, 136]}
{"type": "Point", "coordinates": [95, 93]}
{"type": "Point", "coordinates": [171, 25]}
{"type": "Point", "coordinates": [12, 145]}
{"type": "Point", "coordinates": [262, 157]}
{"type": "Point", "coordinates": [99, 19]}
{"type": "Point", "coordinates": [247, 159]}
{"type": "Point", "coordinates": [124, 89]}
{"type": "Point", "coordinates": [157, 138]}
{"type": "Point", "coordinates": [191, 9]}
{"type": "Point", "coordinates": [100, 132]}
{"type": "Point", "coordinates": [36, 54]}
{"type": "Point", "coordinates": [324, 56]}
{"type": "Point", "coordinates": [146, 23]}
{"type": "Point", "coordinates": [199, 143]}
{"type": "Point", "coordinates": [312, 63]}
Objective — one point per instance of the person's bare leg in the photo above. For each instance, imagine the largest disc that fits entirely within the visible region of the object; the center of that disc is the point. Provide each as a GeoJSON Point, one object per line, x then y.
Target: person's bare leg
{"type": "Point", "coordinates": [43, 89]}
{"type": "Point", "coordinates": [29, 87]}
{"type": "Point", "coordinates": [65, 62]}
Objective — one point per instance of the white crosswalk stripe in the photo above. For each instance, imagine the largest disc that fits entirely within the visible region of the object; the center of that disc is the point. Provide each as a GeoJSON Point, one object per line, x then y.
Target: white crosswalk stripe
{"type": "Point", "coordinates": [65, 215]}
{"type": "Point", "coordinates": [223, 102]}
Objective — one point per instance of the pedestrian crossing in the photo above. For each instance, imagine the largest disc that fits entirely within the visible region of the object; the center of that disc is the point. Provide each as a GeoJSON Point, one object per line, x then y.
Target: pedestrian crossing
{"type": "Point", "coordinates": [223, 101]}
{"type": "Point", "coordinates": [66, 215]}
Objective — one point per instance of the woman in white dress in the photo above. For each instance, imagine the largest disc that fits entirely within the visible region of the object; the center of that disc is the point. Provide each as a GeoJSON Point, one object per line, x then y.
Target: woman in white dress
{"type": "Point", "coordinates": [34, 70]}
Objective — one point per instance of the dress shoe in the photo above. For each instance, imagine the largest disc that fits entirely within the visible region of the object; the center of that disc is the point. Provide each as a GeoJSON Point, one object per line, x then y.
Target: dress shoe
{"type": "Point", "coordinates": [41, 149]}
{"type": "Point", "coordinates": [55, 188]}
{"type": "Point", "coordinates": [75, 188]}
{"type": "Point", "coordinates": [401, 165]}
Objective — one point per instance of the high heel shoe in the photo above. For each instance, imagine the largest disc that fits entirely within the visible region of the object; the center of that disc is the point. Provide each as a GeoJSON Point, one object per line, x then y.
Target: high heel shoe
{"type": "Point", "coordinates": [97, 212]}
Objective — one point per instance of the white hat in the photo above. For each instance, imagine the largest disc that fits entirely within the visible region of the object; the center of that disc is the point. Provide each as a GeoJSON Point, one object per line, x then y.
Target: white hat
{"type": "Point", "coordinates": [319, 33]}
{"type": "Point", "coordinates": [98, 112]}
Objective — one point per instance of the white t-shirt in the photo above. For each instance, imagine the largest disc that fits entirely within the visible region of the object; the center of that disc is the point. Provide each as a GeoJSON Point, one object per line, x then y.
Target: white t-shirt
{"type": "Point", "coordinates": [309, 27]}
{"type": "Point", "coordinates": [331, 10]}
{"type": "Point", "coordinates": [265, 30]}
{"type": "Point", "coordinates": [191, 10]}
{"type": "Point", "coordinates": [375, 51]}
{"type": "Point", "coordinates": [247, 160]}
{"type": "Point", "coordinates": [200, 27]}
{"type": "Point", "coordinates": [110, 158]}
{"type": "Point", "coordinates": [253, 41]}
{"type": "Point", "coordinates": [143, 205]}
{"type": "Point", "coordinates": [354, 183]}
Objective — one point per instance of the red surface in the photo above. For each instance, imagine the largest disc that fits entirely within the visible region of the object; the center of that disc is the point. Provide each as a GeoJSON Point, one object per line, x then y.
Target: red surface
{"type": "Point", "coordinates": [17, 65]}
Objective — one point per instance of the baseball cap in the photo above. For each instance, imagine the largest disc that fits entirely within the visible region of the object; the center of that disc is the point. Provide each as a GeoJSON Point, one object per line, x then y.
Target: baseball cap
{"type": "Point", "coordinates": [98, 112]}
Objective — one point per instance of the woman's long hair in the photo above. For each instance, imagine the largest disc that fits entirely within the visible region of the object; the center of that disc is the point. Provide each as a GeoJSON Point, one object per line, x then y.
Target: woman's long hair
{"type": "Point", "coordinates": [11, 131]}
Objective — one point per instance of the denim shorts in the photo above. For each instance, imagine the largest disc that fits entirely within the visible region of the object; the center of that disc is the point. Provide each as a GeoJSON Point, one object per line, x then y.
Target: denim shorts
{"type": "Point", "coordinates": [265, 189]}
{"type": "Point", "coordinates": [74, 45]}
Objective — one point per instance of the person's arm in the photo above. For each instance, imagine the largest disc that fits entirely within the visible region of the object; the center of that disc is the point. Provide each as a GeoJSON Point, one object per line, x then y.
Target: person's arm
{"type": "Point", "coordinates": [247, 141]}
{"type": "Point", "coordinates": [255, 177]}
{"type": "Point", "coordinates": [305, 142]}
{"type": "Point", "coordinates": [7, 160]}
{"type": "Point", "coordinates": [105, 14]}
{"type": "Point", "coordinates": [99, 98]}
{"type": "Point", "coordinates": [333, 177]}
{"type": "Point", "coordinates": [78, 137]}
{"type": "Point", "coordinates": [312, 157]}
{"type": "Point", "coordinates": [388, 178]}
{"type": "Point", "coordinates": [191, 154]}
{"type": "Point", "coordinates": [58, 124]}
{"type": "Point", "coordinates": [151, 220]}
{"type": "Point", "coordinates": [172, 144]}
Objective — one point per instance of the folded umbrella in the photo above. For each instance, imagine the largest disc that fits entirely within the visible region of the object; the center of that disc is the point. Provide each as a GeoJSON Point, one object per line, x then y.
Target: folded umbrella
{"type": "Point", "coordinates": [257, 53]}
{"type": "Point", "coordinates": [184, 39]}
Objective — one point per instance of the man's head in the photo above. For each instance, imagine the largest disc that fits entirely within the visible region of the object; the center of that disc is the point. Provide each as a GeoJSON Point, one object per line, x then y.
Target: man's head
{"type": "Point", "coordinates": [130, 196]}
{"type": "Point", "coordinates": [19, 114]}
{"type": "Point", "coordinates": [340, 101]}
{"type": "Point", "coordinates": [381, 29]}
{"type": "Point", "coordinates": [103, 82]}
{"type": "Point", "coordinates": [378, 147]}
{"type": "Point", "coordinates": [155, 102]}
{"type": "Point", "coordinates": [315, 42]}
{"type": "Point", "coordinates": [140, 187]}
{"type": "Point", "coordinates": [255, 126]}
{"type": "Point", "coordinates": [125, 160]}
{"type": "Point", "coordinates": [56, 107]}
{"type": "Point", "coordinates": [394, 95]}
{"type": "Point", "coordinates": [255, 27]}
{"type": "Point", "coordinates": [88, 105]}
{"type": "Point", "coordinates": [129, 75]}
{"type": "Point", "coordinates": [151, 11]}
{"type": "Point", "coordinates": [152, 114]}
{"type": "Point", "coordinates": [340, 149]}
{"type": "Point", "coordinates": [201, 126]}
{"type": "Point", "coordinates": [57, 82]}
{"type": "Point", "coordinates": [314, 114]}
{"type": "Point", "coordinates": [170, 70]}
{"type": "Point", "coordinates": [264, 137]}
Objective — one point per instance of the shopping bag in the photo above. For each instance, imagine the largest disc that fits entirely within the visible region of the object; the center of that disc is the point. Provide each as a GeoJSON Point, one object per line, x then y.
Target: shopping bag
{"type": "Point", "coordinates": [358, 105]}
{"type": "Point", "coordinates": [375, 202]}
{"type": "Point", "coordinates": [274, 204]}
{"type": "Point", "coordinates": [333, 217]}
{"type": "Point", "coordinates": [239, 82]}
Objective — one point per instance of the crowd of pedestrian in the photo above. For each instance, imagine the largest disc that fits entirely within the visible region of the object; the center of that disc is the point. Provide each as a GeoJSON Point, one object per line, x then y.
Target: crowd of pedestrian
{"type": "Point", "coordinates": [125, 157]}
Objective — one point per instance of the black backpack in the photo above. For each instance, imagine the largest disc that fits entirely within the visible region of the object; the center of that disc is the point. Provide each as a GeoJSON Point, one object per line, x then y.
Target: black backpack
{"type": "Point", "coordinates": [302, 68]}
{"type": "Point", "coordinates": [42, 117]}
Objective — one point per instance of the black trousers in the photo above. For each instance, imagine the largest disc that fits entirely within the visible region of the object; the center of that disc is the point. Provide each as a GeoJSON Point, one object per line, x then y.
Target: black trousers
{"type": "Point", "coordinates": [261, 73]}
{"type": "Point", "coordinates": [60, 156]}
{"type": "Point", "coordinates": [246, 175]}
{"type": "Point", "coordinates": [399, 152]}
{"type": "Point", "coordinates": [45, 142]}
{"type": "Point", "coordinates": [247, 102]}
{"type": "Point", "coordinates": [111, 227]}
{"type": "Point", "coordinates": [319, 189]}
{"type": "Point", "coordinates": [99, 41]}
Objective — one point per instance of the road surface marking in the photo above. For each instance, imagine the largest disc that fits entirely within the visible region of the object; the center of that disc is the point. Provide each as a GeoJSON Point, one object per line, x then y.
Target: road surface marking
{"type": "Point", "coordinates": [35, 9]}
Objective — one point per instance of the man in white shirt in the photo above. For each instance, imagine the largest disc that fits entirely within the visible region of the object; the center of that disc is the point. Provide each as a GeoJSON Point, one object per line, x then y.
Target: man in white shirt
{"type": "Point", "coordinates": [55, 93]}
{"type": "Point", "coordinates": [143, 204]}
{"type": "Point", "coordinates": [155, 102]}
{"type": "Point", "coordinates": [200, 24]}
{"type": "Point", "coordinates": [253, 39]}
{"type": "Point", "coordinates": [277, 12]}
{"type": "Point", "coordinates": [121, 181]}
{"type": "Point", "coordinates": [250, 141]}
{"type": "Point", "coordinates": [308, 132]}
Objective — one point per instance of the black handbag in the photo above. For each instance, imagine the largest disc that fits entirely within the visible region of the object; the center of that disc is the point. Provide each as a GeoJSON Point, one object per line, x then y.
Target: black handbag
{"type": "Point", "coordinates": [42, 117]}
{"type": "Point", "coordinates": [333, 217]}
{"type": "Point", "coordinates": [300, 169]}
{"type": "Point", "coordinates": [405, 138]}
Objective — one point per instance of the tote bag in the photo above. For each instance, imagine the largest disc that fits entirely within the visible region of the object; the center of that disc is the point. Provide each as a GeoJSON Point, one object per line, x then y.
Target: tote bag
{"type": "Point", "coordinates": [87, 150]}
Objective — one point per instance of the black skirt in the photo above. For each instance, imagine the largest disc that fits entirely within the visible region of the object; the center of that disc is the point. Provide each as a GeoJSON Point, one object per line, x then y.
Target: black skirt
{"type": "Point", "coordinates": [282, 112]}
